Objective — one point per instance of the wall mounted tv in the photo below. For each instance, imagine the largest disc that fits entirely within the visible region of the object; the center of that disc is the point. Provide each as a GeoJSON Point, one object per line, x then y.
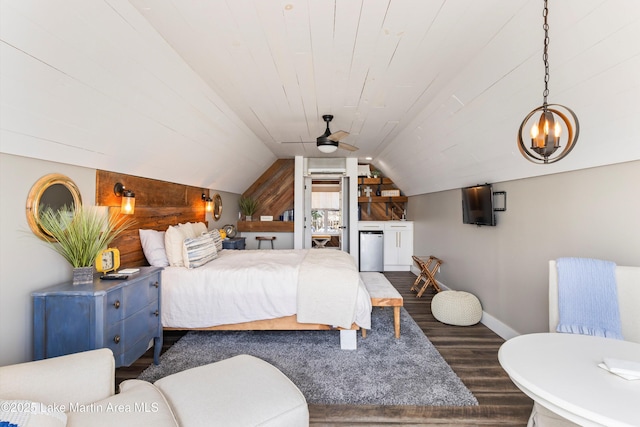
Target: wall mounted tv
{"type": "Point", "coordinates": [477, 205]}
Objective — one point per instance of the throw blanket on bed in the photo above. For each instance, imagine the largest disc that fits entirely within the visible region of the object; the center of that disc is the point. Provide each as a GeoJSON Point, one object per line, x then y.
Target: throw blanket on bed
{"type": "Point", "coordinates": [328, 283]}
{"type": "Point", "coordinates": [588, 297]}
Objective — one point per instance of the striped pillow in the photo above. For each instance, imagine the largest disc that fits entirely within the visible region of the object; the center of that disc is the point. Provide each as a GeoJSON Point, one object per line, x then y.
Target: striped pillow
{"type": "Point", "coordinates": [197, 251]}
{"type": "Point", "coordinates": [217, 238]}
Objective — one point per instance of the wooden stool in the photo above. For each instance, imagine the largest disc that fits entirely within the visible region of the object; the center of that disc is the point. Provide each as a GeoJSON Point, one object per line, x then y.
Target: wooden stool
{"type": "Point", "coordinates": [261, 239]}
{"type": "Point", "coordinates": [428, 268]}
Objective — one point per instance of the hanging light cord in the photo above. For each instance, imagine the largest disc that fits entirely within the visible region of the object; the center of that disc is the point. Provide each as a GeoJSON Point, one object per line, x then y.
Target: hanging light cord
{"type": "Point", "coordinates": [545, 54]}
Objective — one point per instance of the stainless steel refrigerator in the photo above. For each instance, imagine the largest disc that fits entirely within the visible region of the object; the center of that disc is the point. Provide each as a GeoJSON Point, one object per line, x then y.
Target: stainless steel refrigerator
{"type": "Point", "coordinates": [371, 251]}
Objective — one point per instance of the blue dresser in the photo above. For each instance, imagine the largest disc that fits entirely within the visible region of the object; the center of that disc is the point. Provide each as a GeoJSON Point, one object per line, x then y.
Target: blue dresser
{"type": "Point", "coordinates": [123, 315]}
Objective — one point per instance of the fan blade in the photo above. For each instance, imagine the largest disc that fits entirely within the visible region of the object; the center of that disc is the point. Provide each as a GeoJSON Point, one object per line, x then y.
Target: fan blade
{"type": "Point", "coordinates": [337, 136]}
{"type": "Point", "coordinates": [297, 142]}
{"type": "Point", "coordinates": [347, 147]}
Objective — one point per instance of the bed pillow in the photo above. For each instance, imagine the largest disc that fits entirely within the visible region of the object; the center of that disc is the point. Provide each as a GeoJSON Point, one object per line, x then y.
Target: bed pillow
{"type": "Point", "coordinates": [152, 242]}
{"type": "Point", "coordinates": [188, 230]}
{"type": "Point", "coordinates": [173, 239]}
{"type": "Point", "coordinates": [217, 238]}
{"type": "Point", "coordinates": [198, 251]}
{"type": "Point", "coordinates": [199, 228]}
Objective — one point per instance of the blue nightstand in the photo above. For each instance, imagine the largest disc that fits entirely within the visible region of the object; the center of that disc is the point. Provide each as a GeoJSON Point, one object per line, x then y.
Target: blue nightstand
{"type": "Point", "coordinates": [234, 243]}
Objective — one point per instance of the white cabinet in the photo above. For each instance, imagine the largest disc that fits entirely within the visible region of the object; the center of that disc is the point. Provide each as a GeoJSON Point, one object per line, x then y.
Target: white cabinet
{"type": "Point", "coordinates": [398, 245]}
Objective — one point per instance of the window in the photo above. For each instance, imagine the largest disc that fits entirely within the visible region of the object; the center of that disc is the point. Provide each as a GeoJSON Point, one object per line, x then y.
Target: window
{"type": "Point", "coordinates": [325, 212]}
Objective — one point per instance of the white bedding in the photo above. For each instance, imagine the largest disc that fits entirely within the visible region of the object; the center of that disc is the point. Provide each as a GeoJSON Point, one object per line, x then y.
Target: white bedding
{"type": "Point", "coordinates": [243, 286]}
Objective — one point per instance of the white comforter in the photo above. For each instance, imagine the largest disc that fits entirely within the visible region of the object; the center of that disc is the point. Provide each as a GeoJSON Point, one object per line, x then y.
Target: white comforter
{"type": "Point", "coordinates": [243, 286]}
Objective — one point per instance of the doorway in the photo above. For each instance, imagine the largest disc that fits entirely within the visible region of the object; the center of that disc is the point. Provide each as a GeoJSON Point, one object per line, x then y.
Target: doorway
{"type": "Point", "coordinates": [326, 224]}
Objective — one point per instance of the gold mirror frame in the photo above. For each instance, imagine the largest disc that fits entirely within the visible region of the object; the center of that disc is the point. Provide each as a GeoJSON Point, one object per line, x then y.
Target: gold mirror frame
{"type": "Point", "coordinates": [217, 207]}
{"type": "Point", "coordinates": [51, 188]}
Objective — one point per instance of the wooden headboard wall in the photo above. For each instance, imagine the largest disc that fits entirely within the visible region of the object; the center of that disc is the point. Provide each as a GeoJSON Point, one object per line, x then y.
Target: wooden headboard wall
{"type": "Point", "coordinates": [159, 204]}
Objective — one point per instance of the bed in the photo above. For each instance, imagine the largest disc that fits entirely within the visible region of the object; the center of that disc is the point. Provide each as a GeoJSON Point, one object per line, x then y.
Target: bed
{"type": "Point", "coordinates": [267, 289]}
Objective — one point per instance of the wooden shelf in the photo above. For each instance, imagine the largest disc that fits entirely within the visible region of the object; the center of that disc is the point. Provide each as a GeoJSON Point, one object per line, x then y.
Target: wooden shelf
{"type": "Point", "coordinates": [374, 181]}
{"type": "Point", "coordinates": [261, 226]}
{"type": "Point", "coordinates": [383, 199]}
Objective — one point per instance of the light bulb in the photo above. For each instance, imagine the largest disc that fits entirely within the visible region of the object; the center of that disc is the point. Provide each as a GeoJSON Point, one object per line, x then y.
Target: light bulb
{"type": "Point", "coordinates": [534, 131]}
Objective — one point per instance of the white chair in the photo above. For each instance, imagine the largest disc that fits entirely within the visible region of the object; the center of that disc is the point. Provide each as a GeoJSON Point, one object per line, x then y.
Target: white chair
{"type": "Point", "coordinates": [79, 390]}
{"type": "Point", "coordinates": [628, 288]}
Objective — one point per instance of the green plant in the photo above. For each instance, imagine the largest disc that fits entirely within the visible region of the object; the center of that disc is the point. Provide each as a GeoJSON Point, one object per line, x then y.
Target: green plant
{"type": "Point", "coordinates": [81, 234]}
{"type": "Point", "coordinates": [248, 205]}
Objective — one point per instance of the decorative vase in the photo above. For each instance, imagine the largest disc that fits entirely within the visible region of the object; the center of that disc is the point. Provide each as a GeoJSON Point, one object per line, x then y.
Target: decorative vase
{"type": "Point", "coordinates": [82, 275]}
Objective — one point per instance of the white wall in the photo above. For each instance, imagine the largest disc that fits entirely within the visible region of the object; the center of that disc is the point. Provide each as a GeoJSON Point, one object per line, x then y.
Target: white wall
{"type": "Point", "coordinates": [230, 210]}
{"type": "Point", "coordinates": [26, 262]}
{"type": "Point", "coordinates": [591, 213]}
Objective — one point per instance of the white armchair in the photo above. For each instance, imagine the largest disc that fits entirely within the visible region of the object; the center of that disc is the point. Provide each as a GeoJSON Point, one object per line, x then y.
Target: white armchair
{"type": "Point", "coordinates": [240, 391]}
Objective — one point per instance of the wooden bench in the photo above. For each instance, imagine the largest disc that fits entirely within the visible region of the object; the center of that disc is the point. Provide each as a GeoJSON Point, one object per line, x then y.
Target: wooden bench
{"type": "Point", "coordinates": [383, 294]}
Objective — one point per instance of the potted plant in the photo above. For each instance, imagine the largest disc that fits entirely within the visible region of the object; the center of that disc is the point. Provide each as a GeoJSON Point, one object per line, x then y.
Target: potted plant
{"type": "Point", "coordinates": [248, 206]}
{"type": "Point", "coordinates": [80, 235]}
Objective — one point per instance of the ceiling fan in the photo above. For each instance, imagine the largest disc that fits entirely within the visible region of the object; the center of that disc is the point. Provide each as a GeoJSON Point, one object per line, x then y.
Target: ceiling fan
{"type": "Point", "coordinates": [329, 142]}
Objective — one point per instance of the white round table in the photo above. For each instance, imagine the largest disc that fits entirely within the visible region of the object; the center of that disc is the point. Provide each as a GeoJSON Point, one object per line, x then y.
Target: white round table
{"type": "Point", "coordinates": [561, 373]}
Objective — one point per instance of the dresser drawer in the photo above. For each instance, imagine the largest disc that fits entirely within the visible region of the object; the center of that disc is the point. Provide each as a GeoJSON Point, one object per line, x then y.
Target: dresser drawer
{"type": "Point", "coordinates": [143, 325]}
{"type": "Point", "coordinates": [114, 337]}
{"type": "Point", "coordinates": [140, 294]}
{"type": "Point", "coordinates": [115, 306]}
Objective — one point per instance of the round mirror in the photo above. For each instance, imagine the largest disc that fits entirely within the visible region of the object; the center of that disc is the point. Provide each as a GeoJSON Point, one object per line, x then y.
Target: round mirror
{"type": "Point", "coordinates": [217, 206]}
{"type": "Point", "coordinates": [55, 191]}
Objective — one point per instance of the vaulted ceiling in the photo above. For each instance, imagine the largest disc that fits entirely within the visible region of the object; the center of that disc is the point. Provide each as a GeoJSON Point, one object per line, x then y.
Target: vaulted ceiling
{"type": "Point", "coordinates": [433, 90]}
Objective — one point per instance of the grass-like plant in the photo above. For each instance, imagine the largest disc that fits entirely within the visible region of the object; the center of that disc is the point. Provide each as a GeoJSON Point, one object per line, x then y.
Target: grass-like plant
{"type": "Point", "coordinates": [81, 234]}
{"type": "Point", "coordinates": [248, 205]}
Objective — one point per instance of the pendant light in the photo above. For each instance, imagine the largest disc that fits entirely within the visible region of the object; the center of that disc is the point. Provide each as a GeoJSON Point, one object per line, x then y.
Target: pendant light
{"type": "Point", "coordinates": [554, 120]}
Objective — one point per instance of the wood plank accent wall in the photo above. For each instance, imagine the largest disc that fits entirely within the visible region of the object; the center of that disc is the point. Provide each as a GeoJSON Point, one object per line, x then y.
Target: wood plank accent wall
{"type": "Point", "coordinates": [274, 189]}
{"type": "Point", "coordinates": [159, 204]}
{"type": "Point", "coordinates": [378, 211]}
{"type": "Point", "coordinates": [379, 208]}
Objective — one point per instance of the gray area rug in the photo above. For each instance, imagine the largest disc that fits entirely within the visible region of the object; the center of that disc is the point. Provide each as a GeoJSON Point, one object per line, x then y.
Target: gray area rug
{"type": "Point", "coordinates": [382, 371]}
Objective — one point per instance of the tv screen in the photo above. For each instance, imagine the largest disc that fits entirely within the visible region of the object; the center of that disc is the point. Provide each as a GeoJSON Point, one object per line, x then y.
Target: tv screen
{"type": "Point", "coordinates": [477, 205]}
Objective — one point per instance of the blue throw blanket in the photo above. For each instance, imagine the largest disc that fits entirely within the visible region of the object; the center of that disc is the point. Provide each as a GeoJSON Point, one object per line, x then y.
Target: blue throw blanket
{"type": "Point", "coordinates": [588, 297]}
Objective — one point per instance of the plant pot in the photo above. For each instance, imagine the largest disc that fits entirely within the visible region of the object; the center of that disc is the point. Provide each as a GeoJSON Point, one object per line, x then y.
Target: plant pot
{"type": "Point", "coordinates": [82, 275]}
{"type": "Point", "coordinates": [247, 218]}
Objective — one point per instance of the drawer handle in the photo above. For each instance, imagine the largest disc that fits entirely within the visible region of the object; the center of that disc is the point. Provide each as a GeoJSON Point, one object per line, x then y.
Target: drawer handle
{"type": "Point", "coordinates": [155, 285]}
{"type": "Point", "coordinates": [117, 304]}
{"type": "Point", "coordinates": [116, 339]}
{"type": "Point", "coordinates": [156, 313]}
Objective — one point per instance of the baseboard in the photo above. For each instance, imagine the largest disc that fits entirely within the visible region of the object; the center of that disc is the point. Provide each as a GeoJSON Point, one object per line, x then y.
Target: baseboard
{"type": "Point", "coordinates": [497, 326]}
{"type": "Point", "coordinates": [500, 328]}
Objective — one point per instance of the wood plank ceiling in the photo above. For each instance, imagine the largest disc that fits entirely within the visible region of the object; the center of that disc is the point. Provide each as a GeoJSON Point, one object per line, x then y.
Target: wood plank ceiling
{"type": "Point", "coordinates": [434, 89]}
{"type": "Point", "coordinates": [206, 92]}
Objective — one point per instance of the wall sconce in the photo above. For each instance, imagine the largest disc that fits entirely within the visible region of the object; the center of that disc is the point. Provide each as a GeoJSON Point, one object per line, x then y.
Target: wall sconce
{"type": "Point", "coordinates": [128, 205]}
{"type": "Point", "coordinates": [208, 203]}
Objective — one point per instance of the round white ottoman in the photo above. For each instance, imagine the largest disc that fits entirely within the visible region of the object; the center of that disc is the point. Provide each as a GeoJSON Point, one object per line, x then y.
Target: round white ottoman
{"type": "Point", "coordinates": [456, 308]}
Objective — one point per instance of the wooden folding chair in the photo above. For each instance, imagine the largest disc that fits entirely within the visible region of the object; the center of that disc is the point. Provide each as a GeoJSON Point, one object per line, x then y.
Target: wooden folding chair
{"type": "Point", "coordinates": [428, 268]}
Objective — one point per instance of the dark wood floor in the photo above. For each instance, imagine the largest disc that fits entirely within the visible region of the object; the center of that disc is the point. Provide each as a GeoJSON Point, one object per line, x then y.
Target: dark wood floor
{"type": "Point", "coordinates": [471, 351]}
